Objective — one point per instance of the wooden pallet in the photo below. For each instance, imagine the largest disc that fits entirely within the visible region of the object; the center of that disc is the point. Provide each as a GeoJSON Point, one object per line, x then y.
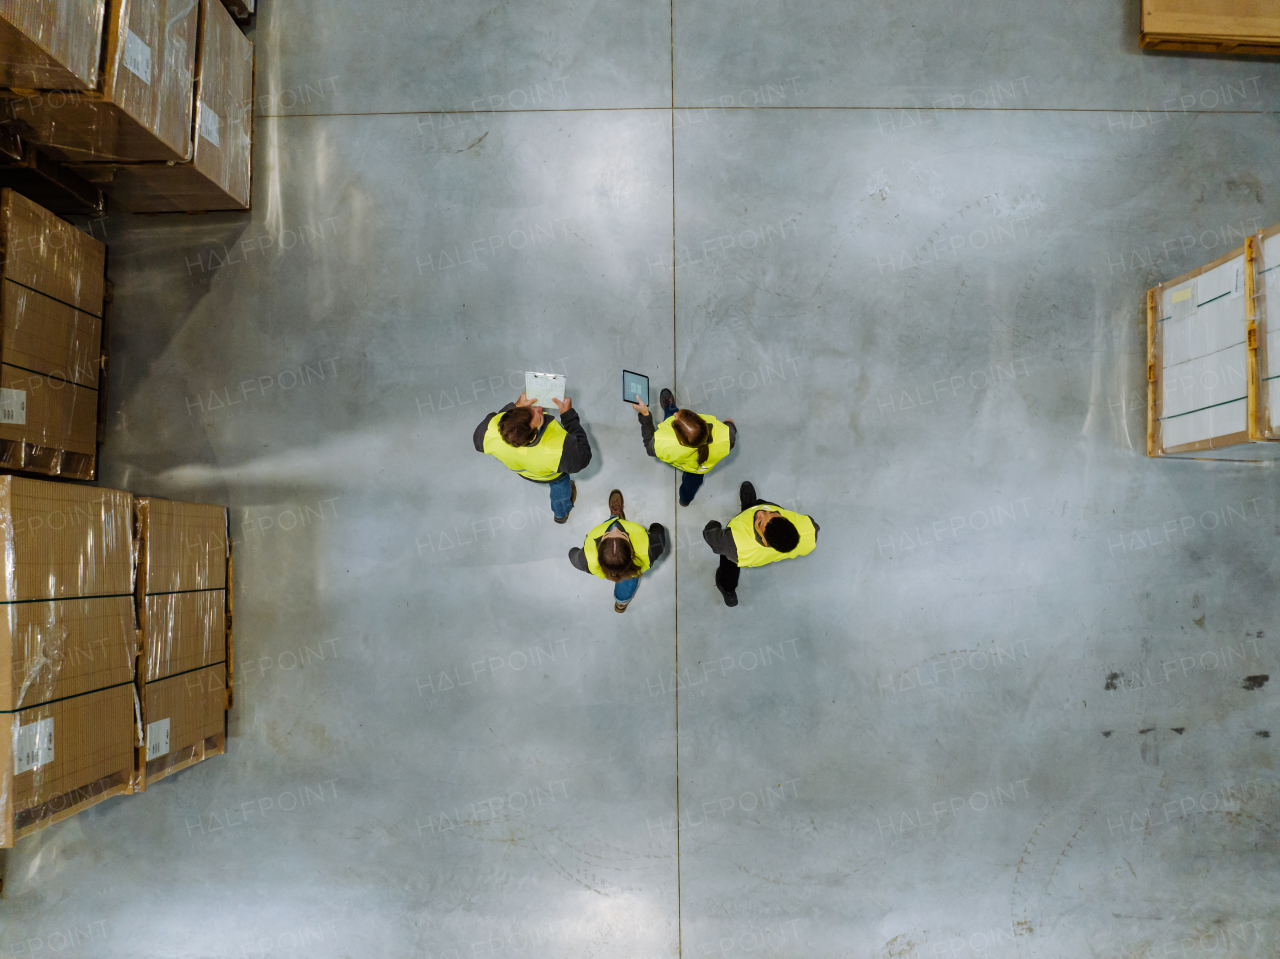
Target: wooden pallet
{"type": "Point", "coordinates": [1250, 27]}
{"type": "Point", "coordinates": [180, 759]}
{"type": "Point", "coordinates": [68, 804]}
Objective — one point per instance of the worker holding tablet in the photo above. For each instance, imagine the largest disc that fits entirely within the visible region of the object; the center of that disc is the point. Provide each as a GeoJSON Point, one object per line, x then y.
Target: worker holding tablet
{"type": "Point", "coordinates": [693, 443]}
{"type": "Point", "coordinates": [762, 533]}
{"type": "Point", "coordinates": [620, 551]}
{"type": "Point", "coordinates": [534, 445]}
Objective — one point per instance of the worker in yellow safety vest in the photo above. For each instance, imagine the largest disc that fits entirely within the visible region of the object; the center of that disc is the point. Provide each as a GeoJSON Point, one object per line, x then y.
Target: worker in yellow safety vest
{"type": "Point", "coordinates": [762, 533]}
{"type": "Point", "coordinates": [620, 551]}
{"type": "Point", "coordinates": [690, 442]}
{"type": "Point", "coordinates": [541, 450]}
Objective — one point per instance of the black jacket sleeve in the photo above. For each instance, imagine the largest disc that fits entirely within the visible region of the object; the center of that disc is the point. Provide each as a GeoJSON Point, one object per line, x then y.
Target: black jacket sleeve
{"type": "Point", "coordinates": [720, 539]}
{"type": "Point", "coordinates": [733, 434]}
{"type": "Point", "coordinates": [579, 559]}
{"type": "Point", "coordinates": [657, 542]}
{"type": "Point", "coordinates": [646, 432]}
{"type": "Point", "coordinates": [478, 436]}
{"type": "Point", "coordinates": [577, 448]}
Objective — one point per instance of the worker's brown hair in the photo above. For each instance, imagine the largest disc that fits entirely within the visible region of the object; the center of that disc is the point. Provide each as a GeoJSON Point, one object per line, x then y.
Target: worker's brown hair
{"type": "Point", "coordinates": [516, 426]}
{"type": "Point", "coordinates": [692, 431]}
{"type": "Point", "coordinates": [617, 561]}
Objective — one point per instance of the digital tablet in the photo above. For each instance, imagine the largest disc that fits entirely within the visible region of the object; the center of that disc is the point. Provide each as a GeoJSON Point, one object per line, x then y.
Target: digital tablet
{"type": "Point", "coordinates": [633, 383]}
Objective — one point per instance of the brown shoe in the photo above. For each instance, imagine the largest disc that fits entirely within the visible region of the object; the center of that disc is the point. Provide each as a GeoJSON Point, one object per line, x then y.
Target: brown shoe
{"type": "Point", "coordinates": [620, 607]}
{"type": "Point", "coordinates": [615, 507]}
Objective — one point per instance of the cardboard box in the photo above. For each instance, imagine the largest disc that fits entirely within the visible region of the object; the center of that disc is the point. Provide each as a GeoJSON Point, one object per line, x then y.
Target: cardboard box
{"type": "Point", "coordinates": [218, 175]}
{"type": "Point", "coordinates": [182, 631]}
{"type": "Point", "coordinates": [141, 108]}
{"type": "Point", "coordinates": [51, 44]}
{"type": "Point", "coordinates": [184, 718]}
{"type": "Point", "coordinates": [182, 599]}
{"type": "Point", "coordinates": [63, 541]}
{"type": "Point", "coordinates": [62, 757]}
{"type": "Point", "coordinates": [45, 253]}
{"type": "Point", "coordinates": [46, 336]}
{"type": "Point", "coordinates": [60, 648]}
{"type": "Point", "coordinates": [1207, 361]}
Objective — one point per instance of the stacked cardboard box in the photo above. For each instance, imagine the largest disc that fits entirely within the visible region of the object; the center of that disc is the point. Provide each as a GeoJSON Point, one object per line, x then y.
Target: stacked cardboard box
{"type": "Point", "coordinates": [1210, 359]}
{"type": "Point", "coordinates": [50, 44]}
{"type": "Point", "coordinates": [51, 315]}
{"type": "Point", "coordinates": [217, 175]}
{"type": "Point", "coordinates": [68, 646]}
{"type": "Point", "coordinates": [140, 107]}
{"type": "Point", "coordinates": [182, 602]}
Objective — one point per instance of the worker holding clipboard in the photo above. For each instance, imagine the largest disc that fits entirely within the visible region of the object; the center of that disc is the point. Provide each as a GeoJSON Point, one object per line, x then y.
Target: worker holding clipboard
{"type": "Point", "coordinates": [691, 442]}
{"type": "Point", "coordinates": [524, 439]}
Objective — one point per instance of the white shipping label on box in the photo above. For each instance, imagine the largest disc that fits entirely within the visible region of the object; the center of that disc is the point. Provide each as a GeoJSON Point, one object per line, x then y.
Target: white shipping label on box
{"type": "Point", "coordinates": [33, 746]}
{"type": "Point", "coordinates": [137, 56]}
{"type": "Point", "coordinates": [157, 738]}
{"type": "Point", "coordinates": [209, 124]}
{"type": "Point", "coordinates": [13, 407]}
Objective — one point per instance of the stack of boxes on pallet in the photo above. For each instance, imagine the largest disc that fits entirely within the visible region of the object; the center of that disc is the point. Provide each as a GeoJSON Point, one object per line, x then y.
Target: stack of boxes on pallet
{"type": "Point", "coordinates": [1209, 366]}
{"type": "Point", "coordinates": [165, 125]}
{"type": "Point", "coordinates": [52, 313]}
{"type": "Point", "coordinates": [69, 648]}
{"type": "Point", "coordinates": [114, 650]}
{"type": "Point", "coordinates": [183, 560]}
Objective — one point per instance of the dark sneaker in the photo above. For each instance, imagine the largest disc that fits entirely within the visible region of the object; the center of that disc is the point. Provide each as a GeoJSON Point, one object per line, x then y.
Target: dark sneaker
{"type": "Point", "coordinates": [620, 607]}
{"type": "Point", "coordinates": [615, 504]}
{"type": "Point", "coordinates": [730, 599]}
{"type": "Point", "coordinates": [667, 398]}
{"type": "Point", "coordinates": [573, 498]}
{"type": "Point", "coordinates": [683, 502]}
{"type": "Point", "coordinates": [747, 495]}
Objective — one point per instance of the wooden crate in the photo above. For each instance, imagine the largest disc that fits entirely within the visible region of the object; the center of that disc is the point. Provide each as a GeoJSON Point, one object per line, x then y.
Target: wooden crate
{"type": "Point", "coordinates": [1211, 26]}
{"type": "Point", "coordinates": [1221, 382]}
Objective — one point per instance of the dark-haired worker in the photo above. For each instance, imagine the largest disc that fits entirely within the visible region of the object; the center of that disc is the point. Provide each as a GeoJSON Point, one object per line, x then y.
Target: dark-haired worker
{"type": "Point", "coordinates": [690, 442]}
{"type": "Point", "coordinates": [534, 445]}
{"type": "Point", "coordinates": [762, 533]}
{"type": "Point", "coordinates": [620, 551]}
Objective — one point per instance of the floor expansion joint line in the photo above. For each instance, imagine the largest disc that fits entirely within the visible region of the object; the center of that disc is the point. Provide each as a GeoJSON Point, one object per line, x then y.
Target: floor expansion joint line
{"type": "Point", "coordinates": [672, 109]}
{"type": "Point", "coordinates": [675, 516]}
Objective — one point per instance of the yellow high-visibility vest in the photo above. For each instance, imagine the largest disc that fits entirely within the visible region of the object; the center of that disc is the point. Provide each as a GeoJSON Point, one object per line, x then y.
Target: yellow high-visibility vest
{"type": "Point", "coordinates": [540, 462]}
{"type": "Point", "coordinates": [751, 553]}
{"type": "Point", "coordinates": [668, 448]}
{"type": "Point", "coordinates": [638, 535]}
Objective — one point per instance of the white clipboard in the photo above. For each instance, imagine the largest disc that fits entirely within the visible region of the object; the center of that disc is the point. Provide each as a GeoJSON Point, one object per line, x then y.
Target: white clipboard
{"type": "Point", "coordinates": [542, 388]}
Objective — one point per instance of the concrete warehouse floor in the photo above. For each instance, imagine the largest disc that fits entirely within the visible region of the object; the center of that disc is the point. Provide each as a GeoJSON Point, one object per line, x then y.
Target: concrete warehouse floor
{"type": "Point", "coordinates": [1003, 710]}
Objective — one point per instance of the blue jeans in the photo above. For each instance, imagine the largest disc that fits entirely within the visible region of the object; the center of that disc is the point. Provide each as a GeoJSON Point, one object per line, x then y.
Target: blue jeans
{"type": "Point", "coordinates": [561, 495]}
{"type": "Point", "coordinates": [624, 590]}
{"type": "Point", "coordinates": [690, 483]}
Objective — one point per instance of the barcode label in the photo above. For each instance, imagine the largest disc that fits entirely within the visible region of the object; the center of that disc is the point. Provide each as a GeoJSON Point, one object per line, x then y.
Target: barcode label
{"type": "Point", "coordinates": [13, 407]}
{"type": "Point", "coordinates": [33, 746]}
{"type": "Point", "coordinates": [209, 124]}
{"type": "Point", "coordinates": [157, 738]}
{"type": "Point", "coordinates": [1237, 288]}
{"type": "Point", "coordinates": [137, 56]}
{"type": "Point", "coordinates": [1184, 302]}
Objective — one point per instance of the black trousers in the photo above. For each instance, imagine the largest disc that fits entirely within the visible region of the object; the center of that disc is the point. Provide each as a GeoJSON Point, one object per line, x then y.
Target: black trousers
{"type": "Point", "coordinates": [727, 573]}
